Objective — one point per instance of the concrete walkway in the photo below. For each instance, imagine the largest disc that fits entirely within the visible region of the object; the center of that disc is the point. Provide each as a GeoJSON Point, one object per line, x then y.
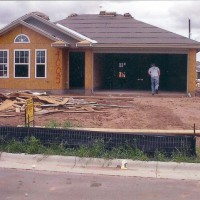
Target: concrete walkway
{"type": "Point", "coordinates": [117, 167]}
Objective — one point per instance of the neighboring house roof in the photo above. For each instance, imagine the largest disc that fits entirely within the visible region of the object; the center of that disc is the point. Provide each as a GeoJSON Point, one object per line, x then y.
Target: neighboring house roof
{"type": "Point", "coordinates": [124, 29]}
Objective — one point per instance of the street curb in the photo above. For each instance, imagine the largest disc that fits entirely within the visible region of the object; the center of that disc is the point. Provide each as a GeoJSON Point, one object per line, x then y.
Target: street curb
{"type": "Point", "coordinates": [119, 167]}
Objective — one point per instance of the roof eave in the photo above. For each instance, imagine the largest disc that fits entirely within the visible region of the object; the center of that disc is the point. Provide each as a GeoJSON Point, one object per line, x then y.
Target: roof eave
{"type": "Point", "coordinates": [84, 43]}
{"type": "Point", "coordinates": [118, 45]}
{"type": "Point", "coordinates": [60, 44]}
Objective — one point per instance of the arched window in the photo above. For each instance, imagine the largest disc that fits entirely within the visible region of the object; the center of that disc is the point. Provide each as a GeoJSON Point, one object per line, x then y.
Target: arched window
{"type": "Point", "coordinates": [22, 39]}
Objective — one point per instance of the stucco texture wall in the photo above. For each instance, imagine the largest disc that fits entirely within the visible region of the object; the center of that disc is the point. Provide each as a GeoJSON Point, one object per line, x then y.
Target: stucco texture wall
{"type": "Point", "coordinates": [56, 62]}
{"type": "Point", "coordinates": [191, 71]}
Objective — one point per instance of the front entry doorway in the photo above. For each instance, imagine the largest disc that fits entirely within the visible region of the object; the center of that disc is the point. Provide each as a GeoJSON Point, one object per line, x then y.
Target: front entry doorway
{"type": "Point", "coordinates": [76, 70]}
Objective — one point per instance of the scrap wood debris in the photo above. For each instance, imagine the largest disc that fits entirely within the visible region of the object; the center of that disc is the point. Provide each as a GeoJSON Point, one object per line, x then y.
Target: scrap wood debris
{"type": "Point", "coordinates": [7, 104]}
{"type": "Point", "coordinates": [47, 104]}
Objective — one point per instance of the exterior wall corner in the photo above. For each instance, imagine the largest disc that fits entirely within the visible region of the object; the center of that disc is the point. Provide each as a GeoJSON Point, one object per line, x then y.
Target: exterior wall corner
{"type": "Point", "coordinates": [191, 85]}
{"type": "Point", "coordinates": [88, 70]}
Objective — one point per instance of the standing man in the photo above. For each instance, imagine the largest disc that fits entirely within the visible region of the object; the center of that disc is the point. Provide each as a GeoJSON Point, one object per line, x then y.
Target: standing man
{"type": "Point", "coordinates": [154, 72]}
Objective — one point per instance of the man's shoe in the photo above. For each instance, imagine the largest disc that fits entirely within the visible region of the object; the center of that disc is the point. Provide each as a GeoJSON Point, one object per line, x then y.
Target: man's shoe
{"type": "Point", "coordinates": [156, 91]}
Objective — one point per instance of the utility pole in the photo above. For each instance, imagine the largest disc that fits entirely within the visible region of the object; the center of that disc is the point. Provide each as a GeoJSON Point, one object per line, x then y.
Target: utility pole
{"type": "Point", "coordinates": [189, 29]}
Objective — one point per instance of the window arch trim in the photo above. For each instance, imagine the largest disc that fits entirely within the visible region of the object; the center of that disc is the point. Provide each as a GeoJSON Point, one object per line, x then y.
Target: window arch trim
{"type": "Point", "coordinates": [21, 38]}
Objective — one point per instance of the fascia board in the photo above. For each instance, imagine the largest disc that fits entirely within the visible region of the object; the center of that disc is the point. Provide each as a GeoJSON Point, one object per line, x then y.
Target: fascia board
{"type": "Point", "coordinates": [184, 46]}
{"type": "Point", "coordinates": [59, 45]}
{"type": "Point", "coordinates": [84, 45]}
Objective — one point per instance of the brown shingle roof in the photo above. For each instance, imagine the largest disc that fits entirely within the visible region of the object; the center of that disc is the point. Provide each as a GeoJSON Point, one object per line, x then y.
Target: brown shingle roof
{"type": "Point", "coordinates": [120, 29]}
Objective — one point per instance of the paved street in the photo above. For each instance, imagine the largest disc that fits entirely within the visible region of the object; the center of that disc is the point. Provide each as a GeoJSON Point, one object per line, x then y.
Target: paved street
{"type": "Point", "coordinates": [20, 184]}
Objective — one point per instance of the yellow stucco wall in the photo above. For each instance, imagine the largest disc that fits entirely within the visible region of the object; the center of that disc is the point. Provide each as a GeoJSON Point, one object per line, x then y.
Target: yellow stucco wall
{"type": "Point", "coordinates": [191, 76]}
{"type": "Point", "coordinates": [56, 62]}
{"type": "Point", "coordinates": [88, 71]}
{"type": "Point", "coordinates": [65, 69]}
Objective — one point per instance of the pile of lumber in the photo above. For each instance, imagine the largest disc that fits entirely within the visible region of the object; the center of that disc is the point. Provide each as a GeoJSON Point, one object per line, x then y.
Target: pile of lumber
{"type": "Point", "coordinates": [47, 104]}
{"type": "Point", "coordinates": [15, 102]}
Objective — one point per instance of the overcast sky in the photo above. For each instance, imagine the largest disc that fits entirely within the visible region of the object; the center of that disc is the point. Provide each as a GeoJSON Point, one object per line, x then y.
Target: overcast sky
{"type": "Point", "coordinates": [170, 15]}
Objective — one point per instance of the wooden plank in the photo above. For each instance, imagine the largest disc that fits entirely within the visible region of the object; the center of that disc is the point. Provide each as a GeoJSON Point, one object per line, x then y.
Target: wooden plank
{"type": "Point", "coordinates": [46, 112]}
{"type": "Point", "coordinates": [114, 106]}
{"type": "Point", "coordinates": [47, 99]}
{"type": "Point", "coordinates": [87, 108]}
{"type": "Point", "coordinates": [144, 131]}
{"type": "Point", "coordinates": [7, 115]}
{"type": "Point", "coordinates": [17, 110]}
{"type": "Point", "coordinates": [19, 103]}
{"type": "Point", "coordinates": [7, 104]}
{"type": "Point", "coordinates": [82, 111]}
{"type": "Point", "coordinates": [49, 105]}
{"type": "Point", "coordinates": [19, 94]}
{"type": "Point", "coordinates": [16, 106]}
{"type": "Point", "coordinates": [21, 100]}
{"type": "Point", "coordinates": [52, 100]}
{"type": "Point", "coordinates": [64, 101]}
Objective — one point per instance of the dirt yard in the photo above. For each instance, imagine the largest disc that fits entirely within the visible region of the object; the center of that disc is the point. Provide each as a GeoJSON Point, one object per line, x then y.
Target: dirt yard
{"type": "Point", "coordinates": [136, 112]}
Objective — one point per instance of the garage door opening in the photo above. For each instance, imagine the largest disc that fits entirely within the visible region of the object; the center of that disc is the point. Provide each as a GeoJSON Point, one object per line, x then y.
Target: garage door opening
{"type": "Point", "coordinates": [129, 71]}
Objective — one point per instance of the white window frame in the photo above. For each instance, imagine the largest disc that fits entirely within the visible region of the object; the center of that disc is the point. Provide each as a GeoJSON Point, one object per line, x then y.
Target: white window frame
{"type": "Point", "coordinates": [6, 63]}
{"type": "Point", "coordinates": [22, 63]}
{"type": "Point", "coordinates": [45, 64]}
{"type": "Point", "coordinates": [21, 41]}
